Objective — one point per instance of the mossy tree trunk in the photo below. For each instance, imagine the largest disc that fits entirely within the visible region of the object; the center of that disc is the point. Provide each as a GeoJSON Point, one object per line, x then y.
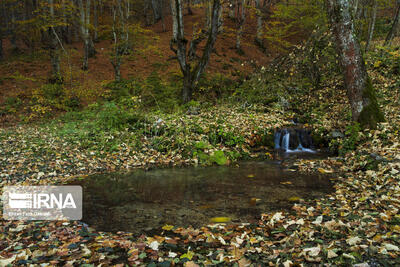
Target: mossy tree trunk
{"type": "Point", "coordinates": [364, 106]}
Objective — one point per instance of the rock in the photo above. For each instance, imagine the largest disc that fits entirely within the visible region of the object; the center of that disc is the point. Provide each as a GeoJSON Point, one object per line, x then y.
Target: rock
{"type": "Point", "coordinates": [337, 134]}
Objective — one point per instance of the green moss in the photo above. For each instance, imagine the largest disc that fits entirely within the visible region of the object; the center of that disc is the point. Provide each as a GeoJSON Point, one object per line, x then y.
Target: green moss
{"type": "Point", "coordinates": [371, 114]}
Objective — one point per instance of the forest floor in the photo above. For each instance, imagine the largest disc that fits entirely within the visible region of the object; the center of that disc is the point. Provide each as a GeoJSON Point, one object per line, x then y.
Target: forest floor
{"type": "Point", "coordinates": [358, 223]}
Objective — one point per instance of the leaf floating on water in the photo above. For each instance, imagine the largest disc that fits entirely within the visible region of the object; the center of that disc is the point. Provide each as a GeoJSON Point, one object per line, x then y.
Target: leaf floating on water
{"type": "Point", "coordinates": [294, 199]}
{"type": "Point", "coordinates": [168, 227]}
{"type": "Point", "coordinates": [220, 219]}
{"type": "Point", "coordinates": [321, 170]}
{"type": "Point", "coordinates": [250, 176]}
{"type": "Point", "coordinates": [288, 182]}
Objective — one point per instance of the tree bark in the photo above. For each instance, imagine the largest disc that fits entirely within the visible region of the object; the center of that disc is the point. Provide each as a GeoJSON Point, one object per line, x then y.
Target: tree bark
{"type": "Point", "coordinates": [395, 26]}
{"type": "Point", "coordinates": [371, 27]}
{"type": "Point", "coordinates": [55, 76]}
{"type": "Point", "coordinates": [174, 21]}
{"type": "Point", "coordinates": [1, 47]}
{"type": "Point", "coordinates": [189, 7]}
{"type": "Point", "coordinates": [361, 94]}
{"type": "Point", "coordinates": [241, 22]}
{"type": "Point", "coordinates": [120, 30]}
{"type": "Point", "coordinates": [88, 45]}
{"type": "Point", "coordinates": [259, 34]}
{"type": "Point", "coordinates": [95, 20]}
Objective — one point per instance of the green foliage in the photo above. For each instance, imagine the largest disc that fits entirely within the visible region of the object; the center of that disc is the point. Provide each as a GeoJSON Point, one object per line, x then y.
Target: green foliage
{"type": "Point", "coordinates": [151, 93]}
{"type": "Point", "coordinates": [10, 105]}
{"type": "Point", "coordinates": [219, 158]}
{"type": "Point", "coordinates": [112, 117]}
{"type": "Point", "coordinates": [220, 134]}
{"type": "Point", "coordinates": [350, 142]}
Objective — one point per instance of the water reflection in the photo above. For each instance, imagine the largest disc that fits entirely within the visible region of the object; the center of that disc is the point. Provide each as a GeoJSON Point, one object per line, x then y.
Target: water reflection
{"type": "Point", "coordinates": [141, 201]}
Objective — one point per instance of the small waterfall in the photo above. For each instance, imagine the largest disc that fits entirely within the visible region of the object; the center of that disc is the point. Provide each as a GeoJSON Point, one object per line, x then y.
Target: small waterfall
{"type": "Point", "coordinates": [285, 141]}
{"type": "Point", "coordinates": [294, 140]}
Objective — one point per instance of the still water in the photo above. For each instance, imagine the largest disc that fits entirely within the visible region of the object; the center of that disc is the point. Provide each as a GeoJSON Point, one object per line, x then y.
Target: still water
{"type": "Point", "coordinates": [143, 201]}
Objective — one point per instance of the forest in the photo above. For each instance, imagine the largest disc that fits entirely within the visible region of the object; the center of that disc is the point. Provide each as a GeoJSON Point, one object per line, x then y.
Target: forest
{"type": "Point", "coordinates": [200, 133]}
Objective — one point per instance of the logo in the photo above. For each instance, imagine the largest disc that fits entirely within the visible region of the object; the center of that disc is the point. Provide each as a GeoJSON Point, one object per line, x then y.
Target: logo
{"type": "Point", "coordinates": [42, 202]}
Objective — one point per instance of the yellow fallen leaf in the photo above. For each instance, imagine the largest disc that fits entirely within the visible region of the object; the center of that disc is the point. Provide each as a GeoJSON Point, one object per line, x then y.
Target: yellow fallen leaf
{"type": "Point", "coordinates": [168, 227]}
{"type": "Point", "coordinates": [294, 199]}
{"type": "Point", "coordinates": [250, 176]}
{"type": "Point", "coordinates": [189, 255]}
{"type": "Point", "coordinates": [220, 219]}
{"type": "Point", "coordinates": [288, 182]}
{"type": "Point", "coordinates": [324, 170]}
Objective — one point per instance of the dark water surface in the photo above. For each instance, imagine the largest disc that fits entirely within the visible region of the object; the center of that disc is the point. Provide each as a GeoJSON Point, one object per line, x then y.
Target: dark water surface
{"type": "Point", "coordinates": [142, 201]}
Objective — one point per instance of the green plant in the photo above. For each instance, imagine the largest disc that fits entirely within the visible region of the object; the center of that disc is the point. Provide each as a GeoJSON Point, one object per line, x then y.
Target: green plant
{"type": "Point", "coordinates": [219, 158]}
{"type": "Point", "coordinates": [352, 139]}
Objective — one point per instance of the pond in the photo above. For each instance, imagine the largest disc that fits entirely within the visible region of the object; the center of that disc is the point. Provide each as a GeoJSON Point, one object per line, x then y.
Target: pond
{"type": "Point", "coordinates": [144, 201]}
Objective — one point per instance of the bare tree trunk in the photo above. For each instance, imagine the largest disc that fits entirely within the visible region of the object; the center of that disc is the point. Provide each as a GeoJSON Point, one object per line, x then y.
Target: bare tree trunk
{"type": "Point", "coordinates": [55, 76]}
{"type": "Point", "coordinates": [162, 16]}
{"type": "Point", "coordinates": [1, 47]}
{"type": "Point", "coordinates": [155, 4]}
{"type": "Point", "coordinates": [88, 45]}
{"type": "Point", "coordinates": [241, 22]}
{"type": "Point", "coordinates": [189, 7]}
{"type": "Point", "coordinates": [120, 30]}
{"type": "Point", "coordinates": [371, 27]}
{"type": "Point", "coordinates": [360, 91]}
{"type": "Point", "coordinates": [174, 22]}
{"type": "Point", "coordinates": [192, 75]}
{"type": "Point", "coordinates": [13, 38]}
{"type": "Point", "coordinates": [395, 26]}
{"type": "Point", "coordinates": [95, 20]}
{"type": "Point", "coordinates": [259, 24]}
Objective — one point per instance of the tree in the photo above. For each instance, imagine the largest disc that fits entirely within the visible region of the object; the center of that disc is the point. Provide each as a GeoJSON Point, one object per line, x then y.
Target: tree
{"type": "Point", "coordinates": [120, 32]}
{"type": "Point", "coordinates": [88, 45]}
{"type": "Point", "coordinates": [55, 76]}
{"type": "Point", "coordinates": [371, 27]}
{"type": "Point", "coordinates": [395, 26]}
{"type": "Point", "coordinates": [259, 34]}
{"type": "Point", "coordinates": [241, 21]}
{"type": "Point", "coordinates": [192, 72]}
{"type": "Point", "coordinates": [364, 106]}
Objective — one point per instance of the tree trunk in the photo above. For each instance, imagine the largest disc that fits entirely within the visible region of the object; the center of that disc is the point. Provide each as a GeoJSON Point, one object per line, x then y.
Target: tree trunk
{"type": "Point", "coordinates": [371, 27]}
{"type": "Point", "coordinates": [155, 4]}
{"type": "Point", "coordinates": [1, 47]}
{"type": "Point", "coordinates": [95, 20]}
{"type": "Point", "coordinates": [88, 45]}
{"type": "Point", "coordinates": [174, 21]}
{"type": "Point", "coordinates": [395, 26]}
{"type": "Point", "coordinates": [241, 26]}
{"type": "Point", "coordinates": [192, 75]}
{"type": "Point", "coordinates": [364, 106]}
{"type": "Point", "coordinates": [189, 7]}
{"type": "Point", "coordinates": [162, 16]}
{"type": "Point", "coordinates": [55, 76]}
{"type": "Point", "coordinates": [259, 24]}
